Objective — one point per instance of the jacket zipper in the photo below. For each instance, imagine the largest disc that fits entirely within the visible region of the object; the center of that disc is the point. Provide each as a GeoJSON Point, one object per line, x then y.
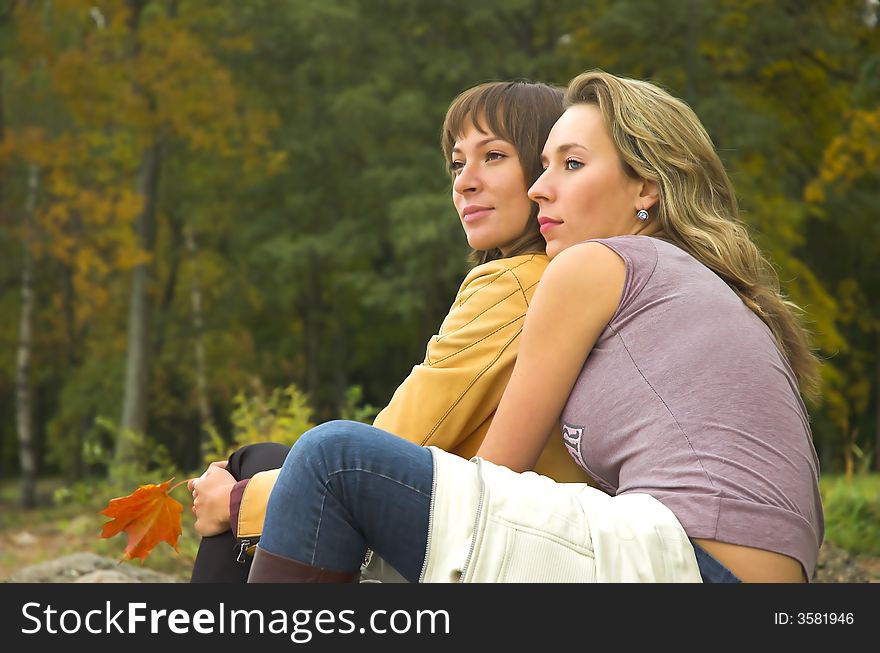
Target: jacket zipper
{"type": "Point", "coordinates": [470, 554]}
{"type": "Point", "coordinates": [430, 516]}
{"type": "Point", "coordinates": [242, 551]}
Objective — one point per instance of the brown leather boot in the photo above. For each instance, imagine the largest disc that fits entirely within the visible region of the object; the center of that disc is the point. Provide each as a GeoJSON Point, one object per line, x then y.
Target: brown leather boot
{"type": "Point", "coordinates": [271, 568]}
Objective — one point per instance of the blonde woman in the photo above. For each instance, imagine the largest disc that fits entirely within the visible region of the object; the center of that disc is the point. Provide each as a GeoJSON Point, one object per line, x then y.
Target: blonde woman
{"type": "Point", "coordinates": [657, 337]}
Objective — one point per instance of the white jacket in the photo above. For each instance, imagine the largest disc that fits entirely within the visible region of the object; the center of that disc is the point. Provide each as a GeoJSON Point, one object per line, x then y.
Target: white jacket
{"type": "Point", "coordinates": [490, 524]}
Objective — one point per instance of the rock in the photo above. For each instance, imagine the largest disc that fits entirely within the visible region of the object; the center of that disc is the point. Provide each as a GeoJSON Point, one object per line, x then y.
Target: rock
{"type": "Point", "coordinates": [88, 568]}
{"type": "Point", "coordinates": [23, 539]}
{"type": "Point", "coordinates": [104, 576]}
{"type": "Point", "coordinates": [835, 565]}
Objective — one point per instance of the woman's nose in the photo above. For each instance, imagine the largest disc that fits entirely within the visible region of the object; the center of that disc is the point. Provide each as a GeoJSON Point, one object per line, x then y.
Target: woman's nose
{"type": "Point", "coordinates": [467, 180]}
{"type": "Point", "coordinates": [540, 190]}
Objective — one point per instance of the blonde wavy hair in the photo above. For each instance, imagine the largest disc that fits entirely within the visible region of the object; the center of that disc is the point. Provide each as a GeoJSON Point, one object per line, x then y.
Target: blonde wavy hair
{"type": "Point", "coordinates": [659, 138]}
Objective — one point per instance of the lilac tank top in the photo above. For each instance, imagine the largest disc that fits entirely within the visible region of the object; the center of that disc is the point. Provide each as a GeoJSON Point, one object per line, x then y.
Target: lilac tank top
{"type": "Point", "coordinates": [686, 397]}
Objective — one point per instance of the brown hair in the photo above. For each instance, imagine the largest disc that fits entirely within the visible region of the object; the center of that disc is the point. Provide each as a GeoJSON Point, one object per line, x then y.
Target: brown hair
{"type": "Point", "coordinates": [520, 112]}
{"type": "Point", "coordinates": [660, 138]}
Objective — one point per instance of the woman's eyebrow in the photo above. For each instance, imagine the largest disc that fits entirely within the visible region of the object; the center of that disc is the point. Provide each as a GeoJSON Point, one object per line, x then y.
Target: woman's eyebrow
{"type": "Point", "coordinates": [481, 143]}
{"type": "Point", "coordinates": [562, 149]}
{"type": "Point", "coordinates": [565, 147]}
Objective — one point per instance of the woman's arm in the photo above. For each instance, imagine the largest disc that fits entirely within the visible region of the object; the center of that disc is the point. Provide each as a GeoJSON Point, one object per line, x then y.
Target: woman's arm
{"type": "Point", "coordinates": [573, 304]}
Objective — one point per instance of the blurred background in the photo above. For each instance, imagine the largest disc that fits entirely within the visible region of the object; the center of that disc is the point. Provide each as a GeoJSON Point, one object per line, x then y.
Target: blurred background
{"type": "Point", "coordinates": [225, 221]}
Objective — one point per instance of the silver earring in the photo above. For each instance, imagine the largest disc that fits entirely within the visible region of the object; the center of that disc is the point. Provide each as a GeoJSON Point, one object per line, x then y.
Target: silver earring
{"type": "Point", "coordinates": [642, 215]}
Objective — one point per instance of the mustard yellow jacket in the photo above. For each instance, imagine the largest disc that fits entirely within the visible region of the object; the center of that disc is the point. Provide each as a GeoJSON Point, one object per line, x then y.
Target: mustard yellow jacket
{"type": "Point", "coordinates": [448, 400]}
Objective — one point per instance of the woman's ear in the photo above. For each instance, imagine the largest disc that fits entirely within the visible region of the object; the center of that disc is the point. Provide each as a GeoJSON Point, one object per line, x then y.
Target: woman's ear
{"type": "Point", "coordinates": [649, 194]}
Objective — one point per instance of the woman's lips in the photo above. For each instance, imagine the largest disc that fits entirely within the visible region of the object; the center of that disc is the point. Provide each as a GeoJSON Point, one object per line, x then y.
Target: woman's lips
{"type": "Point", "coordinates": [474, 214]}
{"type": "Point", "coordinates": [547, 224]}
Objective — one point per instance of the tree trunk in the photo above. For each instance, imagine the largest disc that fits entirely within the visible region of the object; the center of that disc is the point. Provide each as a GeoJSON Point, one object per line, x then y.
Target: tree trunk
{"type": "Point", "coordinates": [312, 311]}
{"type": "Point", "coordinates": [198, 331]}
{"type": "Point", "coordinates": [24, 399]}
{"type": "Point", "coordinates": [74, 469]}
{"type": "Point", "coordinates": [341, 367]}
{"type": "Point", "coordinates": [877, 405]}
{"type": "Point", "coordinates": [848, 440]}
{"type": "Point", "coordinates": [134, 410]}
{"type": "Point", "coordinates": [166, 297]}
{"type": "Point", "coordinates": [134, 406]}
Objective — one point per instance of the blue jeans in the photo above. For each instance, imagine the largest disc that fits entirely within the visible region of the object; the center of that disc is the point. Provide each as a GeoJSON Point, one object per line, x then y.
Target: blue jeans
{"type": "Point", "coordinates": [712, 570]}
{"type": "Point", "coordinates": [346, 486]}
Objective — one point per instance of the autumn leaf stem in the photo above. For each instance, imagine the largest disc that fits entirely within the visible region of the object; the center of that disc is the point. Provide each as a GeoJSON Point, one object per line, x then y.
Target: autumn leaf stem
{"type": "Point", "coordinates": [177, 485]}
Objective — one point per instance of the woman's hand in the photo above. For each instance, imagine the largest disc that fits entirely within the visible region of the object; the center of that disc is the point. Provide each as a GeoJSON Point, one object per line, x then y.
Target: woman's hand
{"type": "Point", "coordinates": [211, 493]}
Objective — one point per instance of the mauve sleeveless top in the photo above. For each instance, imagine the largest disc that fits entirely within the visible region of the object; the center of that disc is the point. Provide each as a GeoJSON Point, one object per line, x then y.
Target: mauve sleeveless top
{"type": "Point", "coordinates": [687, 397]}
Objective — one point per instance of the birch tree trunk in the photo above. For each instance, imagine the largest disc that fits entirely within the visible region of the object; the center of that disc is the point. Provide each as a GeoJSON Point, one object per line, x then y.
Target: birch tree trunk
{"type": "Point", "coordinates": [23, 396]}
{"type": "Point", "coordinates": [134, 409]}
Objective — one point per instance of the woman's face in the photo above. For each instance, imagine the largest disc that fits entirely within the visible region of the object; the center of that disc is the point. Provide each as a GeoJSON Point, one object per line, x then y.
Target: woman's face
{"type": "Point", "coordinates": [489, 190]}
{"type": "Point", "coordinates": [584, 192]}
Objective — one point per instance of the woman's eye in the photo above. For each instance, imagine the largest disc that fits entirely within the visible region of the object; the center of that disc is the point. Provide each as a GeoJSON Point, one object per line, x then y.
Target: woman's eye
{"type": "Point", "coordinates": [573, 164]}
{"type": "Point", "coordinates": [456, 166]}
{"type": "Point", "coordinates": [494, 156]}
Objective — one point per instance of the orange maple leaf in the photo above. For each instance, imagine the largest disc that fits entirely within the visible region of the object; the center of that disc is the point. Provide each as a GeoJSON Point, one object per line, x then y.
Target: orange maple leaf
{"type": "Point", "coordinates": [148, 516]}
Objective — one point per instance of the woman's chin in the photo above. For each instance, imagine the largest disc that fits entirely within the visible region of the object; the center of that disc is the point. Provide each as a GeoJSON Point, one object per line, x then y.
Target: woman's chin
{"type": "Point", "coordinates": [553, 248]}
{"type": "Point", "coordinates": [482, 244]}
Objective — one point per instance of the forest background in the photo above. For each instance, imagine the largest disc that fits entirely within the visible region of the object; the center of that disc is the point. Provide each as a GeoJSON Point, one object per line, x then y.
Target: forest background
{"type": "Point", "coordinates": [224, 221]}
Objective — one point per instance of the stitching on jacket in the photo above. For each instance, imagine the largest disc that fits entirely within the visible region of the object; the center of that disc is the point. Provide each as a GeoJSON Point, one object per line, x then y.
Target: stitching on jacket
{"type": "Point", "coordinates": [494, 360]}
{"type": "Point", "coordinates": [500, 301]}
{"type": "Point", "coordinates": [500, 274]}
{"type": "Point", "coordinates": [477, 342]}
{"type": "Point", "coordinates": [470, 385]}
{"type": "Point", "coordinates": [519, 283]}
{"type": "Point", "coordinates": [480, 314]}
{"type": "Point", "coordinates": [525, 296]}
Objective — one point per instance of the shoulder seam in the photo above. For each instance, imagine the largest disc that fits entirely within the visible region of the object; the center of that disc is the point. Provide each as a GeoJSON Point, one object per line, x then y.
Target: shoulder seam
{"type": "Point", "coordinates": [514, 292]}
{"type": "Point", "coordinates": [476, 342]}
{"type": "Point", "coordinates": [504, 271]}
{"type": "Point", "coordinates": [470, 385]}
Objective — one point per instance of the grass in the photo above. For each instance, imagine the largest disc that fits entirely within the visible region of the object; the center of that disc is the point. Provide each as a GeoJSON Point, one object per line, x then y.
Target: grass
{"type": "Point", "coordinates": [852, 512]}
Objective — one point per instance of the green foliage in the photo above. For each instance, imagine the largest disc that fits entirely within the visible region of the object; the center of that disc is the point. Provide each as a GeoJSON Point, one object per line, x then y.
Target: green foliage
{"type": "Point", "coordinates": [852, 512]}
{"type": "Point", "coordinates": [78, 438]}
{"type": "Point", "coordinates": [281, 416]}
{"type": "Point", "coordinates": [355, 409]}
{"type": "Point", "coordinates": [150, 463]}
{"type": "Point", "coordinates": [300, 147]}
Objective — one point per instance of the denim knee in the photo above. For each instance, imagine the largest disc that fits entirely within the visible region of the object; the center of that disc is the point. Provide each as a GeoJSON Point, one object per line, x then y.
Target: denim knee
{"type": "Point", "coordinates": [320, 448]}
{"type": "Point", "coordinates": [346, 483]}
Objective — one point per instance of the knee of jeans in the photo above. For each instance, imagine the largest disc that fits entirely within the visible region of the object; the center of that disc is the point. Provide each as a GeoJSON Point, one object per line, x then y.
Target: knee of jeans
{"type": "Point", "coordinates": [319, 446]}
{"type": "Point", "coordinates": [331, 434]}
